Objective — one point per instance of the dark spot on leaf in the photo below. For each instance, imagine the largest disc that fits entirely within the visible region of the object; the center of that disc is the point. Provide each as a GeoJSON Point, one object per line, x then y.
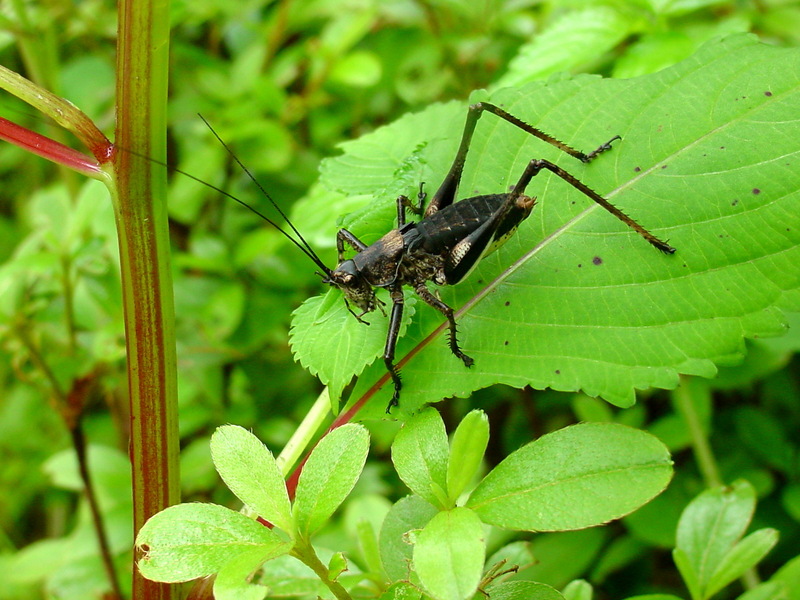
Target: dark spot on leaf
{"type": "Point", "coordinates": [722, 147]}
{"type": "Point", "coordinates": [579, 265]}
{"type": "Point", "coordinates": [505, 343]}
{"type": "Point", "coordinates": [663, 166]}
{"type": "Point", "coordinates": [508, 303]}
{"type": "Point", "coordinates": [597, 260]}
{"type": "Point", "coordinates": [558, 371]}
{"type": "Point", "coordinates": [768, 93]}
{"type": "Point", "coordinates": [637, 169]}
{"type": "Point", "coordinates": [735, 202]}
{"type": "Point", "coordinates": [756, 191]}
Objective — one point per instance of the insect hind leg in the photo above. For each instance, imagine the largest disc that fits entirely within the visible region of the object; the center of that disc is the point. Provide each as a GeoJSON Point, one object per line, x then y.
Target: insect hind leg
{"type": "Point", "coordinates": [446, 193]}
{"type": "Point", "coordinates": [536, 165]}
{"type": "Point", "coordinates": [424, 293]}
{"type": "Point", "coordinates": [602, 148]}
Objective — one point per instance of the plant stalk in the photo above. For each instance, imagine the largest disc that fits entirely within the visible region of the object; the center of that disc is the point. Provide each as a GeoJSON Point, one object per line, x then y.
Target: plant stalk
{"type": "Point", "coordinates": [141, 214]}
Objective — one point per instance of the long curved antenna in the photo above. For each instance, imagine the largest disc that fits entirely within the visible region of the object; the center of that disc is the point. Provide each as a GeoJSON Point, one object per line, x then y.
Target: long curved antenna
{"type": "Point", "coordinates": [305, 245]}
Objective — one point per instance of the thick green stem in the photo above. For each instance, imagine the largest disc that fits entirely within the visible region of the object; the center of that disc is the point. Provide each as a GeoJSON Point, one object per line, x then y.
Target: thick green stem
{"type": "Point", "coordinates": [141, 213]}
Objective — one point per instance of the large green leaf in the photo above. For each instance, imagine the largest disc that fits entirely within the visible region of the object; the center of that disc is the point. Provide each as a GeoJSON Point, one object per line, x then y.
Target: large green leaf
{"type": "Point", "coordinates": [580, 476]}
{"type": "Point", "coordinates": [576, 300]}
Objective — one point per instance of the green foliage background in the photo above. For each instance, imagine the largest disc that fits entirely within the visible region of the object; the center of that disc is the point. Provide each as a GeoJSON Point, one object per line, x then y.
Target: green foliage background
{"type": "Point", "coordinates": [284, 83]}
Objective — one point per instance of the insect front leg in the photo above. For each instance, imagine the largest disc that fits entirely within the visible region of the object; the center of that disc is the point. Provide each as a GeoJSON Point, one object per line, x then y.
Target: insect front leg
{"type": "Point", "coordinates": [424, 293]}
{"type": "Point", "coordinates": [345, 237]}
{"type": "Point", "coordinates": [391, 343]}
{"type": "Point", "coordinates": [403, 203]}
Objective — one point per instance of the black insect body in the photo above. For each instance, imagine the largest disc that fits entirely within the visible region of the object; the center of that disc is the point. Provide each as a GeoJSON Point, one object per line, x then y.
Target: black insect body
{"type": "Point", "coordinates": [446, 244]}
{"type": "Point", "coordinates": [450, 240]}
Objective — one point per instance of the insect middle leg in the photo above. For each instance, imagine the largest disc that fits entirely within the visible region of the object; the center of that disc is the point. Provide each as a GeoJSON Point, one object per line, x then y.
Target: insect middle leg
{"type": "Point", "coordinates": [395, 320]}
{"type": "Point", "coordinates": [424, 293]}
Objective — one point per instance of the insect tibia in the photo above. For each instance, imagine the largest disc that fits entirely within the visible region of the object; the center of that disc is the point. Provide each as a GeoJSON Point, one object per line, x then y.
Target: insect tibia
{"type": "Point", "coordinates": [537, 165]}
{"type": "Point", "coordinates": [478, 108]}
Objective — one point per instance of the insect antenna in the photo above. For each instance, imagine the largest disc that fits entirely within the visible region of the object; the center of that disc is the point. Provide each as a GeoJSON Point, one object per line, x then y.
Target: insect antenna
{"type": "Point", "coordinates": [302, 244]}
{"type": "Point", "coordinates": [304, 247]}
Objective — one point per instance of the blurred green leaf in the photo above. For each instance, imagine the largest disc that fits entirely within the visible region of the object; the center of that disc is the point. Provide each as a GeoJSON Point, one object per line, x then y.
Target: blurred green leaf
{"type": "Point", "coordinates": [745, 555]}
{"type": "Point", "coordinates": [525, 590]}
{"type": "Point", "coordinates": [577, 38]}
{"type": "Point", "coordinates": [707, 547]}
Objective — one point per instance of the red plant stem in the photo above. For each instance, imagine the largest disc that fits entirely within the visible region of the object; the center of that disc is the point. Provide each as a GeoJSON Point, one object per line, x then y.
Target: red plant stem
{"type": "Point", "coordinates": [49, 149]}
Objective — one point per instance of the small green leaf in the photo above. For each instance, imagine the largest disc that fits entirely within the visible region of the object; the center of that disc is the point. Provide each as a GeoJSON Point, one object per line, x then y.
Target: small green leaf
{"type": "Point", "coordinates": [578, 589]}
{"type": "Point", "coordinates": [466, 452]}
{"type": "Point", "coordinates": [420, 455]}
{"type": "Point", "coordinates": [576, 477]}
{"type": "Point", "coordinates": [579, 37]}
{"type": "Point", "coordinates": [401, 590]}
{"type": "Point", "coordinates": [188, 541]}
{"type": "Point", "coordinates": [524, 590]}
{"type": "Point", "coordinates": [248, 468]}
{"type": "Point", "coordinates": [655, 597]}
{"type": "Point", "coordinates": [789, 577]}
{"type": "Point", "coordinates": [710, 525]}
{"type": "Point", "coordinates": [329, 475]}
{"type": "Point", "coordinates": [765, 591]}
{"type": "Point", "coordinates": [336, 566]}
{"type": "Point", "coordinates": [408, 514]}
{"type": "Point", "coordinates": [332, 357]}
{"type": "Point", "coordinates": [689, 575]}
{"type": "Point", "coordinates": [743, 556]}
{"type": "Point", "coordinates": [363, 518]}
{"type": "Point", "coordinates": [449, 554]}
{"type": "Point", "coordinates": [287, 577]}
{"type": "Point", "coordinates": [231, 582]}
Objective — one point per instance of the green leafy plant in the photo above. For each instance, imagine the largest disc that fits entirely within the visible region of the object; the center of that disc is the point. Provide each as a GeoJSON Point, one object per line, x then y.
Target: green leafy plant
{"type": "Point", "coordinates": [575, 300]}
{"type": "Point", "coordinates": [188, 541]}
{"type": "Point", "coordinates": [578, 477]}
{"type": "Point", "coordinates": [710, 553]}
{"type": "Point", "coordinates": [283, 83]}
